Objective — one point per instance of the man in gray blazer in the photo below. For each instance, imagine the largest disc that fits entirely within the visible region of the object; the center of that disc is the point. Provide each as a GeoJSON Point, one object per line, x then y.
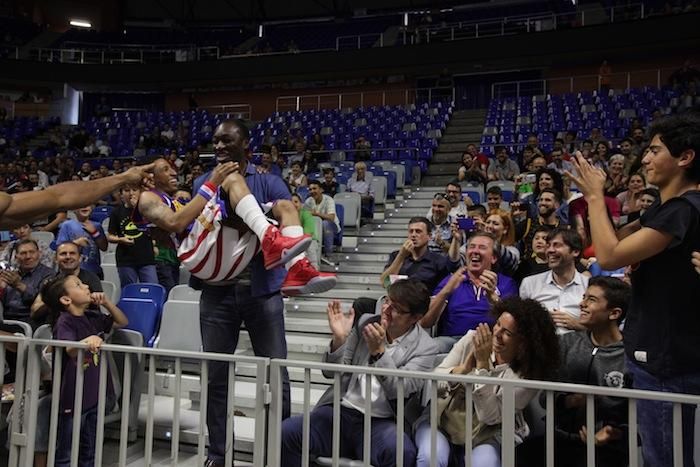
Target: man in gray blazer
{"type": "Point", "coordinates": [392, 340]}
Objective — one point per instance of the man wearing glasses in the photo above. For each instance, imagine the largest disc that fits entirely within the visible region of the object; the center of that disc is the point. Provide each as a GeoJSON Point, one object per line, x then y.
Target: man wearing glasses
{"type": "Point", "coordinates": [454, 196]}
{"type": "Point", "coordinates": [392, 340]}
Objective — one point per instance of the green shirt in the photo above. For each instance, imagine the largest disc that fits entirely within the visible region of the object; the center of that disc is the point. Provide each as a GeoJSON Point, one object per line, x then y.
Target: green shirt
{"type": "Point", "coordinates": [308, 223]}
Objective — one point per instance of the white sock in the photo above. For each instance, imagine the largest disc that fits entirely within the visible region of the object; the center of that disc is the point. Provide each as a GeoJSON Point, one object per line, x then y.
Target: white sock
{"type": "Point", "coordinates": [249, 210]}
{"type": "Point", "coordinates": [293, 231]}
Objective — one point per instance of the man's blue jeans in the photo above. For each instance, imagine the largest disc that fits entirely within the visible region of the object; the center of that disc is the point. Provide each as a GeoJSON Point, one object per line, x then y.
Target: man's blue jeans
{"type": "Point", "coordinates": [222, 311]}
{"type": "Point", "coordinates": [133, 274]}
{"type": "Point", "coordinates": [329, 232]}
{"type": "Point", "coordinates": [382, 438]}
{"type": "Point", "coordinates": [655, 419]}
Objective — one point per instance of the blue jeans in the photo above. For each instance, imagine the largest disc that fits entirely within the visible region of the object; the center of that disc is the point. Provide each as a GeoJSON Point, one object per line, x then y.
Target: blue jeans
{"type": "Point", "coordinates": [133, 274]}
{"type": "Point", "coordinates": [88, 433]}
{"type": "Point", "coordinates": [655, 419]}
{"type": "Point", "coordinates": [222, 311]}
{"type": "Point", "coordinates": [168, 275]}
{"type": "Point", "coordinates": [329, 232]}
{"type": "Point", "coordinates": [382, 439]}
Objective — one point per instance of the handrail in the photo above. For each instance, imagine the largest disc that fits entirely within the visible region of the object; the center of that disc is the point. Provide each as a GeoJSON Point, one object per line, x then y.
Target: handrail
{"type": "Point", "coordinates": [296, 102]}
{"type": "Point", "coordinates": [585, 82]}
{"type": "Point", "coordinates": [358, 39]}
{"type": "Point", "coordinates": [246, 113]}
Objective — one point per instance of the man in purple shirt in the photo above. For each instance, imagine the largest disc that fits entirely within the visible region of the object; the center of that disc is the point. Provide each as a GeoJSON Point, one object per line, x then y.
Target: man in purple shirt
{"type": "Point", "coordinates": [462, 301]}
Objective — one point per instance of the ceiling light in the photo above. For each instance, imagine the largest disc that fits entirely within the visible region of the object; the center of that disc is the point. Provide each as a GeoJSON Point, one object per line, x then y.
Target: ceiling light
{"type": "Point", "coordinates": [79, 23]}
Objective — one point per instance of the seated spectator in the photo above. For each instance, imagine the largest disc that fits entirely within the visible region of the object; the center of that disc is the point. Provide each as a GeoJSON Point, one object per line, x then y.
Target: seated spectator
{"type": "Point", "coordinates": [559, 146]}
{"type": "Point", "coordinates": [629, 199]}
{"type": "Point", "coordinates": [631, 160]}
{"type": "Point", "coordinates": [415, 261]}
{"type": "Point", "coordinates": [594, 356]}
{"type": "Point", "coordinates": [570, 142]}
{"type": "Point", "coordinates": [502, 167]}
{"type": "Point", "coordinates": [599, 157]}
{"type": "Point", "coordinates": [362, 149]}
{"type": "Point", "coordinates": [616, 181]}
{"type": "Point", "coordinates": [282, 165]}
{"type": "Point", "coordinates": [309, 163]}
{"type": "Point", "coordinates": [523, 345]}
{"type": "Point", "coordinates": [329, 183]}
{"type": "Point", "coordinates": [85, 171]}
{"type": "Point", "coordinates": [480, 157]}
{"type": "Point", "coordinates": [478, 214]}
{"type": "Point", "coordinates": [454, 196]}
{"type": "Point", "coordinates": [296, 178]}
{"type": "Point", "coordinates": [500, 225]}
{"type": "Point", "coordinates": [174, 161]}
{"type": "Point", "coordinates": [470, 170]}
{"type": "Point", "coordinates": [547, 178]}
{"type": "Point", "coordinates": [396, 342]}
{"type": "Point", "coordinates": [86, 234]}
{"type": "Point", "coordinates": [308, 223]}
{"type": "Point", "coordinates": [537, 261]}
{"type": "Point", "coordinates": [19, 287]}
{"type": "Point", "coordinates": [167, 134]}
{"type": "Point", "coordinates": [316, 144]}
{"type": "Point", "coordinates": [23, 232]}
{"type": "Point", "coordinates": [361, 182]}
{"type": "Point", "coordinates": [266, 165]}
{"type": "Point", "coordinates": [323, 206]}
{"type": "Point", "coordinates": [134, 254]}
{"type": "Point", "coordinates": [560, 289]}
{"type": "Point", "coordinates": [461, 301]}
{"type": "Point", "coordinates": [646, 199]}
{"type": "Point", "coordinates": [494, 199]}
{"type": "Point", "coordinates": [558, 163]}
{"type": "Point", "coordinates": [441, 236]}
{"type": "Point", "coordinates": [548, 203]}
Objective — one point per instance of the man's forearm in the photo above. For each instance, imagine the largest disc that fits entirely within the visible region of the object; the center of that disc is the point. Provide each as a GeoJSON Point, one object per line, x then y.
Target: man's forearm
{"type": "Point", "coordinates": [393, 268]}
{"type": "Point", "coordinates": [437, 305]}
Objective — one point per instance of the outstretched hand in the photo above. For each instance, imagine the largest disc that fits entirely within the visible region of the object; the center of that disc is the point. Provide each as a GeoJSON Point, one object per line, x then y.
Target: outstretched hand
{"type": "Point", "coordinates": [590, 180]}
{"type": "Point", "coordinates": [339, 322]}
{"type": "Point", "coordinates": [139, 173]}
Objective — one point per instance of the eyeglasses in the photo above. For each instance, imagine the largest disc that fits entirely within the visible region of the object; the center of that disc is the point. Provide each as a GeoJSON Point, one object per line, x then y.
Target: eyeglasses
{"type": "Point", "coordinates": [389, 304]}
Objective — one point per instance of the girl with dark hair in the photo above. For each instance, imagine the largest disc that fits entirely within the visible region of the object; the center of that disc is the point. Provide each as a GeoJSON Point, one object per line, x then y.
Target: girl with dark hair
{"type": "Point", "coordinates": [522, 345]}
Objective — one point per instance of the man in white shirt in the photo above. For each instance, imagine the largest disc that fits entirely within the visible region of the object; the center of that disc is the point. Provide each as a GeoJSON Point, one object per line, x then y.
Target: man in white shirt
{"type": "Point", "coordinates": [323, 206]}
{"type": "Point", "coordinates": [453, 190]}
{"type": "Point", "coordinates": [393, 340]}
{"type": "Point", "coordinates": [560, 289]}
{"type": "Point", "coordinates": [361, 182]}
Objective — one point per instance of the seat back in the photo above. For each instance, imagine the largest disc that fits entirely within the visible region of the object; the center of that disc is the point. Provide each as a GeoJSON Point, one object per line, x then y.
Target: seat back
{"type": "Point", "coordinates": [185, 293]}
{"type": "Point", "coordinates": [133, 339]}
{"type": "Point", "coordinates": [340, 212]}
{"type": "Point", "coordinates": [143, 315]}
{"type": "Point", "coordinates": [111, 274]}
{"type": "Point", "coordinates": [400, 171]}
{"type": "Point", "coordinates": [179, 327]}
{"type": "Point", "coordinates": [352, 205]}
{"type": "Point", "coordinates": [379, 186]}
{"type": "Point", "coordinates": [111, 291]}
{"type": "Point", "coordinates": [147, 291]}
{"type": "Point", "coordinates": [109, 258]}
{"type": "Point", "coordinates": [46, 237]}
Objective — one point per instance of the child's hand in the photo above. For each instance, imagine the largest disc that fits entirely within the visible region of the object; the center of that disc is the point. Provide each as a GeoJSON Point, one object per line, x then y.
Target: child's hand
{"type": "Point", "coordinates": [94, 343]}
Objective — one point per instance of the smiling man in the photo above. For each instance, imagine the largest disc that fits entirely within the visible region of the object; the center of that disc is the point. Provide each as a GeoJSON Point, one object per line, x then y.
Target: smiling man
{"type": "Point", "coordinates": [560, 289]}
{"type": "Point", "coordinates": [462, 300]}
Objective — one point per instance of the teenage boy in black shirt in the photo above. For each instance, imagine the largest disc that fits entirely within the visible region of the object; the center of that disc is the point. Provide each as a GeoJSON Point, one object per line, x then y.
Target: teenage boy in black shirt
{"type": "Point", "coordinates": [663, 324]}
{"type": "Point", "coordinates": [135, 259]}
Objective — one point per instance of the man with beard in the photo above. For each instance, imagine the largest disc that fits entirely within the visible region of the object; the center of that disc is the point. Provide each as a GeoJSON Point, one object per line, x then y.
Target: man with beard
{"type": "Point", "coordinates": [502, 167]}
{"type": "Point", "coordinates": [453, 190]}
{"type": "Point", "coordinates": [463, 299]}
{"type": "Point", "coordinates": [252, 297]}
{"type": "Point", "coordinates": [560, 289]}
{"type": "Point", "coordinates": [442, 224]}
{"type": "Point", "coordinates": [547, 205]}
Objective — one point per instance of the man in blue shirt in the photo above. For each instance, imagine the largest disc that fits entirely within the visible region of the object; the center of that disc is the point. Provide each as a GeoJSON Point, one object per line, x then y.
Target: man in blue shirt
{"type": "Point", "coordinates": [253, 297]}
{"type": "Point", "coordinates": [88, 235]}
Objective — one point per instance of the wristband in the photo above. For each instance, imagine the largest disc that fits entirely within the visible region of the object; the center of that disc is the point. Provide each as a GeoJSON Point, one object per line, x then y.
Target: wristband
{"type": "Point", "coordinates": [207, 190]}
{"type": "Point", "coordinates": [96, 234]}
{"type": "Point", "coordinates": [374, 358]}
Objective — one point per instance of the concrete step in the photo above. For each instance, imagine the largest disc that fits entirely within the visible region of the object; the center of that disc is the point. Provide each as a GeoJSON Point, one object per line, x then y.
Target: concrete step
{"type": "Point", "coordinates": [443, 169]}
{"type": "Point", "coordinates": [423, 192]}
{"type": "Point", "coordinates": [443, 157]}
{"type": "Point", "coordinates": [368, 229]}
{"type": "Point", "coordinates": [455, 132]}
{"type": "Point", "coordinates": [453, 147]}
{"type": "Point", "coordinates": [437, 180]}
{"type": "Point", "coordinates": [387, 233]}
{"type": "Point", "coordinates": [390, 243]}
{"type": "Point", "coordinates": [351, 293]}
{"type": "Point", "coordinates": [360, 280]}
{"type": "Point", "coordinates": [373, 248]}
{"type": "Point", "coordinates": [362, 257]}
{"type": "Point", "coordinates": [302, 325]}
{"type": "Point", "coordinates": [357, 268]}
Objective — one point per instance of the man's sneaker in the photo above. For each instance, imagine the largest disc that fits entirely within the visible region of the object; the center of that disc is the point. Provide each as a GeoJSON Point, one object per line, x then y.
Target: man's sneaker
{"type": "Point", "coordinates": [327, 261]}
{"type": "Point", "coordinates": [278, 249]}
{"type": "Point", "coordinates": [213, 463]}
{"type": "Point", "coordinates": [303, 279]}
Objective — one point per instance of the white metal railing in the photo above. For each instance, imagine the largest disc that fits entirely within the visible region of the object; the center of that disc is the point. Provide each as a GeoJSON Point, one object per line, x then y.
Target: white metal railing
{"type": "Point", "coordinates": [507, 409]}
{"type": "Point", "coordinates": [345, 100]}
{"type": "Point", "coordinates": [243, 111]}
{"type": "Point", "coordinates": [268, 403]}
{"type": "Point", "coordinates": [621, 80]}
{"type": "Point", "coordinates": [502, 26]}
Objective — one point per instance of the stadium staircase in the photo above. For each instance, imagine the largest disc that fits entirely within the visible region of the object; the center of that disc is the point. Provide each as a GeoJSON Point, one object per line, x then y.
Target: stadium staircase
{"type": "Point", "coordinates": [466, 126]}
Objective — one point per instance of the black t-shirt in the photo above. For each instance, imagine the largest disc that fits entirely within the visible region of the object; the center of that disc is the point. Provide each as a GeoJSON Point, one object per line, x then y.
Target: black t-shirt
{"type": "Point", "coordinates": [122, 225]}
{"type": "Point", "coordinates": [663, 323]}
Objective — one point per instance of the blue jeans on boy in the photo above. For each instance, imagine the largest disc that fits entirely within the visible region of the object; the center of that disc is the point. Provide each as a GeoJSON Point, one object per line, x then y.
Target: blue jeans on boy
{"type": "Point", "coordinates": [133, 274]}
{"type": "Point", "coordinates": [88, 433]}
{"type": "Point", "coordinates": [329, 232]}
{"type": "Point", "coordinates": [655, 419]}
{"type": "Point", "coordinates": [222, 311]}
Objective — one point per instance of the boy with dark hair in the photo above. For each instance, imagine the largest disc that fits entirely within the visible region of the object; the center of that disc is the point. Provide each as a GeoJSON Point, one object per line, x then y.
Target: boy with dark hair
{"type": "Point", "coordinates": [662, 327]}
{"type": "Point", "coordinates": [594, 356]}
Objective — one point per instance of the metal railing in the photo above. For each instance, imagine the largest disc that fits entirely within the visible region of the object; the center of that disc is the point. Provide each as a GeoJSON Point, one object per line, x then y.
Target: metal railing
{"type": "Point", "coordinates": [359, 41]}
{"type": "Point", "coordinates": [519, 24]}
{"type": "Point", "coordinates": [141, 362]}
{"type": "Point", "coordinates": [242, 111]}
{"type": "Point", "coordinates": [558, 85]}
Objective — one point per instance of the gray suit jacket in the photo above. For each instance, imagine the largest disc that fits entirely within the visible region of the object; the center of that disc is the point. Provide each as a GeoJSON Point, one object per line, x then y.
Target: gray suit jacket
{"type": "Point", "coordinates": [415, 352]}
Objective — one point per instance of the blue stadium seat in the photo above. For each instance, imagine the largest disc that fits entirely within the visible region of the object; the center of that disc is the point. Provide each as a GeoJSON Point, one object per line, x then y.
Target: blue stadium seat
{"type": "Point", "coordinates": [143, 315]}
